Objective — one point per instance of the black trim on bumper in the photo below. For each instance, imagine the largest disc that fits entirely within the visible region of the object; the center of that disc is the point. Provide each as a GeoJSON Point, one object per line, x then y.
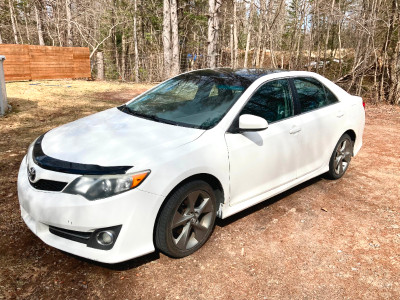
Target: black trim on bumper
{"type": "Point", "coordinates": [58, 165]}
{"type": "Point", "coordinates": [87, 238]}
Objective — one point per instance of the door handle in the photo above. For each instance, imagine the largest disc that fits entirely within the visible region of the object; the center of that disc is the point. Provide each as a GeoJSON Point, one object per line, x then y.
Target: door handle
{"type": "Point", "coordinates": [294, 130]}
{"type": "Point", "coordinates": [340, 114]}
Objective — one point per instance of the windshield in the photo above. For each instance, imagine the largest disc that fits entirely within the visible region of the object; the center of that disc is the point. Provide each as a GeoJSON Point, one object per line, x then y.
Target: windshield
{"type": "Point", "coordinates": [197, 99]}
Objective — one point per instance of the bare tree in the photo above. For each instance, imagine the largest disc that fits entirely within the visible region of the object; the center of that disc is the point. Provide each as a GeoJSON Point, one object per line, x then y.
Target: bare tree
{"type": "Point", "coordinates": [248, 33]}
{"type": "Point", "coordinates": [213, 29]}
{"type": "Point", "coordinates": [39, 25]}
{"type": "Point", "coordinates": [175, 68]}
{"type": "Point", "coordinates": [70, 42]}
{"type": "Point", "coordinates": [170, 38]}
{"type": "Point", "coordinates": [135, 42]}
{"type": "Point", "coordinates": [12, 16]}
{"type": "Point", "coordinates": [235, 35]}
{"type": "Point", "coordinates": [166, 37]}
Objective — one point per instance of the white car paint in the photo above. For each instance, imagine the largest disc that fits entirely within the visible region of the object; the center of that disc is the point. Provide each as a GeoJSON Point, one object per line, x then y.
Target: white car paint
{"type": "Point", "coordinates": [250, 166]}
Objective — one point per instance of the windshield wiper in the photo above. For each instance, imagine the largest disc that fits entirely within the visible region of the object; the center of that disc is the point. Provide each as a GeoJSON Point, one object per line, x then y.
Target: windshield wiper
{"type": "Point", "coordinates": [128, 110]}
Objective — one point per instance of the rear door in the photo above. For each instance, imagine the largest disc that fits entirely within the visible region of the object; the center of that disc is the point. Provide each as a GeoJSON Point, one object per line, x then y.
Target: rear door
{"type": "Point", "coordinates": [321, 116]}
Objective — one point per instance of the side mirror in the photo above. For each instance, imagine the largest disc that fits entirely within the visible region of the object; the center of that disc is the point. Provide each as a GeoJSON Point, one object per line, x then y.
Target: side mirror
{"type": "Point", "coordinates": [252, 123]}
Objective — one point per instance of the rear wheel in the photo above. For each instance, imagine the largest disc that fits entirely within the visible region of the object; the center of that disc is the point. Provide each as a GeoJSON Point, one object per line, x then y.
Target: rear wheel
{"type": "Point", "coordinates": [187, 220]}
{"type": "Point", "coordinates": [341, 157]}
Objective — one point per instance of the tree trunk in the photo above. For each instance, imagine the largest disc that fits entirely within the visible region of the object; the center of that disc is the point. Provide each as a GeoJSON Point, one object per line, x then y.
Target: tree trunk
{"type": "Point", "coordinates": [248, 31]}
{"type": "Point", "coordinates": [69, 24]}
{"type": "Point", "coordinates": [213, 30]}
{"type": "Point", "coordinates": [167, 38]}
{"type": "Point", "coordinates": [123, 56]}
{"type": "Point", "coordinates": [340, 46]}
{"type": "Point", "coordinates": [39, 26]}
{"type": "Point", "coordinates": [135, 41]}
{"type": "Point", "coordinates": [393, 95]}
{"type": "Point", "coordinates": [327, 37]}
{"type": "Point", "coordinates": [232, 46]}
{"type": "Point", "coordinates": [26, 26]}
{"type": "Point", "coordinates": [100, 66]}
{"type": "Point", "coordinates": [256, 55]}
{"type": "Point", "coordinates": [175, 68]}
{"type": "Point", "coordinates": [14, 27]}
{"type": "Point", "coordinates": [221, 60]}
{"type": "Point", "coordinates": [116, 54]}
{"type": "Point", "coordinates": [235, 36]}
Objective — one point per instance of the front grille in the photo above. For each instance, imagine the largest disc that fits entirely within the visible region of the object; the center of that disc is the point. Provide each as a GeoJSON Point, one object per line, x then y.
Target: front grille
{"type": "Point", "coordinates": [49, 185]}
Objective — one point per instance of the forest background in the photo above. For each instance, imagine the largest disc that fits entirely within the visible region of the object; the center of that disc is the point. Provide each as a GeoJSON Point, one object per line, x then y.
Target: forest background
{"type": "Point", "coordinates": [355, 43]}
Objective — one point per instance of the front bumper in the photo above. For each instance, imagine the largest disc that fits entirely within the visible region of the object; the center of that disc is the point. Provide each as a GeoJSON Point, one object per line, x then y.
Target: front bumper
{"type": "Point", "coordinates": [135, 210]}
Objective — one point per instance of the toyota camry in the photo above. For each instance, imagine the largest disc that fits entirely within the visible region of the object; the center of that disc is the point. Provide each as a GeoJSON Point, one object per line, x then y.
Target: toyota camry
{"type": "Point", "coordinates": [156, 172]}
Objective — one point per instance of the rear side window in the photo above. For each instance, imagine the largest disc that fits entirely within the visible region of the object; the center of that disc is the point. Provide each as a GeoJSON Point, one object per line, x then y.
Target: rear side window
{"type": "Point", "coordinates": [330, 97]}
{"type": "Point", "coordinates": [312, 94]}
{"type": "Point", "coordinates": [272, 101]}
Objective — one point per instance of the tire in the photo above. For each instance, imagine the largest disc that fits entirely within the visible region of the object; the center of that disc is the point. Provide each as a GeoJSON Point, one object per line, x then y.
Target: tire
{"type": "Point", "coordinates": [187, 220]}
{"type": "Point", "coordinates": [341, 157]}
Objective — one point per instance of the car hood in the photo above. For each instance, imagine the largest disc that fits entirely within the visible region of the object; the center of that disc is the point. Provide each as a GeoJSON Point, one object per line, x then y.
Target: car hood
{"type": "Point", "coordinates": [114, 138]}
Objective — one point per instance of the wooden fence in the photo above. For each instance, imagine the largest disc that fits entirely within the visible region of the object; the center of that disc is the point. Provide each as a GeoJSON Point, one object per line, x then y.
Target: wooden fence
{"type": "Point", "coordinates": [30, 62]}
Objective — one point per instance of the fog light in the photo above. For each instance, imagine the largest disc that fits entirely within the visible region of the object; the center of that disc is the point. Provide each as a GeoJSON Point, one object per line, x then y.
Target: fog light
{"type": "Point", "coordinates": [105, 237]}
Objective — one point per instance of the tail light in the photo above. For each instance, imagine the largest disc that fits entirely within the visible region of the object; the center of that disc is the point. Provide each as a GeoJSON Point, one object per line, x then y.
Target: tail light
{"type": "Point", "coordinates": [364, 104]}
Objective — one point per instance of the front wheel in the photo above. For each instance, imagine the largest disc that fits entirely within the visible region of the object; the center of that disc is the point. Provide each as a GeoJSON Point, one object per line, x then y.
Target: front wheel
{"type": "Point", "coordinates": [187, 219]}
{"type": "Point", "coordinates": [341, 157]}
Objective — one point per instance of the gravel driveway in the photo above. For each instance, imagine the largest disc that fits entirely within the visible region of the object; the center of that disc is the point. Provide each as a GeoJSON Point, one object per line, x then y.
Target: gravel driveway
{"type": "Point", "coordinates": [324, 239]}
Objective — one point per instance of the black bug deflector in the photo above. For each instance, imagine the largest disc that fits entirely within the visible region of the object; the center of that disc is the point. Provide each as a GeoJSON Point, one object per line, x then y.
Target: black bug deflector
{"type": "Point", "coordinates": [49, 163]}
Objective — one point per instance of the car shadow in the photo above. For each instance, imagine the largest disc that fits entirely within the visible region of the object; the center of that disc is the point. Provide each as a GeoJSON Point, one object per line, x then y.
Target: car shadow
{"type": "Point", "coordinates": [122, 266]}
{"type": "Point", "coordinates": [266, 203]}
{"type": "Point", "coordinates": [139, 261]}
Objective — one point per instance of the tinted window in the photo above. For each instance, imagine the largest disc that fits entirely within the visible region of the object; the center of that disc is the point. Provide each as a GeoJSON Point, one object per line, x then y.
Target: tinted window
{"type": "Point", "coordinates": [272, 101]}
{"type": "Point", "coordinates": [312, 94]}
{"type": "Point", "coordinates": [330, 97]}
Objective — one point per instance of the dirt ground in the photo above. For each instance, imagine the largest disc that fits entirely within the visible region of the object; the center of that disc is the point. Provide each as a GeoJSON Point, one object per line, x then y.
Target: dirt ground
{"type": "Point", "coordinates": [322, 240]}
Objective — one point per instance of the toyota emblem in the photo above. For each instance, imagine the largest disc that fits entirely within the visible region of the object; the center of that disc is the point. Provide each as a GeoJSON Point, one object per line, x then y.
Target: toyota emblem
{"type": "Point", "coordinates": [31, 174]}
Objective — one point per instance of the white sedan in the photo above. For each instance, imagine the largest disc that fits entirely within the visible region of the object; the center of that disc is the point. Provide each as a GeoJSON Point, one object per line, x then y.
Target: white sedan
{"type": "Point", "coordinates": [156, 172]}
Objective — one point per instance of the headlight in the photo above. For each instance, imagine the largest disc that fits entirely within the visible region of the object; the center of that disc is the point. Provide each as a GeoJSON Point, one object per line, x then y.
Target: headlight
{"type": "Point", "coordinates": [94, 187]}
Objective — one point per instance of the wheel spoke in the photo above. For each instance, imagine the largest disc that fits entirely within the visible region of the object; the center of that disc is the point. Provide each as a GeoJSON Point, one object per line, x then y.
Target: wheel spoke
{"type": "Point", "coordinates": [341, 166]}
{"type": "Point", "coordinates": [343, 146]}
{"type": "Point", "coordinates": [183, 238]}
{"type": "Point", "coordinates": [180, 220]}
{"type": "Point", "coordinates": [205, 206]}
{"type": "Point", "coordinates": [338, 165]}
{"type": "Point", "coordinates": [200, 231]}
{"type": "Point", "coordinates": [347, 156]}
{"type": "Point", "coordinates": [192, 199]}
{"type": "Point", "coordinates": [337, 162]}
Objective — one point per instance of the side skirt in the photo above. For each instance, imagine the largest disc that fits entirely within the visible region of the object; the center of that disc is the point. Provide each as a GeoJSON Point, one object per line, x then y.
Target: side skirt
{"type": "Point", "coordinates": [226, 210]}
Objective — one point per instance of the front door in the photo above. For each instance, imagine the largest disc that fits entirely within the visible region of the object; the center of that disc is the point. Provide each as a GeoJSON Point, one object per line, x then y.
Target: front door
{"type": "Point", "coordinates": [263, 160]}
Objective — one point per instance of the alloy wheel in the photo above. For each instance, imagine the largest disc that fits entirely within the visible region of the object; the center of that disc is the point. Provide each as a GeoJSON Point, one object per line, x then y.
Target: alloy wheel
{"type": "Point", "coordinates": [342, 156]}
{"type": "Point", "coordinates": [192, 220]}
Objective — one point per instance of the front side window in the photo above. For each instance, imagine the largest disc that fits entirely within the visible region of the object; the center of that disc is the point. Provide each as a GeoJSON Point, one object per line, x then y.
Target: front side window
{"type": "Point", "coordinates": [272, 101]}
{"type": "Point", "coordinates": [312, 94]}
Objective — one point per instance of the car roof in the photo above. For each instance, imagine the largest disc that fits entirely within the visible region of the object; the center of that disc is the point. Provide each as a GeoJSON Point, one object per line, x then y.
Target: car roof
{"type": "Point", "coordinates": [248, 75]}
